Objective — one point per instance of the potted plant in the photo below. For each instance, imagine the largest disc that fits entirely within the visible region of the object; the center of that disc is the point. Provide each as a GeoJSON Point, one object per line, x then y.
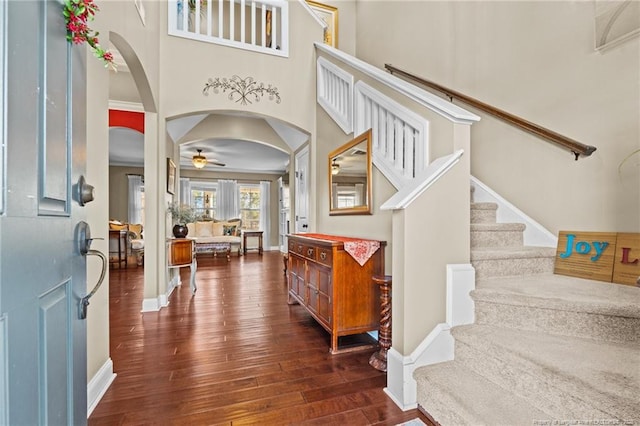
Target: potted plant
{"type": "Point", "coordinates": [181, 215]}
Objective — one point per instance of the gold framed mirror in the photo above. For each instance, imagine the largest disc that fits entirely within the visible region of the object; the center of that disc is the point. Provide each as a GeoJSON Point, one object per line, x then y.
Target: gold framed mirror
{"type": "Point", "coordinates": [350, 177]}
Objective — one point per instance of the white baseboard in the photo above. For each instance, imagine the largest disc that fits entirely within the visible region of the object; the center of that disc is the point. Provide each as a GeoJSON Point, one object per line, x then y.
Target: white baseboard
{"type": "Point", "coordinates": [154, 304]}
{"type": "Point", "coordinates": [438, 346]}
{"type": "Point", "coordinates": [401, 386]}
{"type": "Point", "coordinates": [99, 384]}
{"type": "Point", "coordinates": [534, 234]}
{"type": "Point", "coordinates": [150, 305]}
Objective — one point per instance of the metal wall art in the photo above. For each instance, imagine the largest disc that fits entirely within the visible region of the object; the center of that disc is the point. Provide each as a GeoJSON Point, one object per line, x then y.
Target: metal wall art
{"type": "Point", "coordinates": [243, 90]}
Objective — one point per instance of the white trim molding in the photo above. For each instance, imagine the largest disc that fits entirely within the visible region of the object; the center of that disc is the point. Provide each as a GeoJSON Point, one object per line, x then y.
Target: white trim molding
{"type": "Point", "coordinates": [126, 106]}
{"type": "Point", "coordinates": [435, 103]}
{"type": "Point", "coordinates": [439, 345]}
{"type": "Point", "coordinates": [534, 233]}
{"type": "Point", "coordinates": [334, 92]}
{"type": "Point", "coordinates": [154, 304]}
{"type": "Point", "coordinates": [99, 384]}
{"type": "Point", "coordinates": [434, 171]}
{"type": "Point", "coordinates": [401, 386]}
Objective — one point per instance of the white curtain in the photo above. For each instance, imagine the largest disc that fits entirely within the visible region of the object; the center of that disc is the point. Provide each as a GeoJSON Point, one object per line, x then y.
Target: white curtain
{"type": "Point", "coordinates": [265, 211]}
{"type": "Point", "coordinates": [135, 198]}
{"type": "Point", "coordinates": [228, 200]}
{"type": "Point", "coordinates": [185, 191]}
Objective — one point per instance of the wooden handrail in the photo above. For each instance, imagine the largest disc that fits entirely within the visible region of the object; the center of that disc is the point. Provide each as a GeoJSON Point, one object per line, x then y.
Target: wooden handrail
{"type": "Point", "coordinates": [574, 146]}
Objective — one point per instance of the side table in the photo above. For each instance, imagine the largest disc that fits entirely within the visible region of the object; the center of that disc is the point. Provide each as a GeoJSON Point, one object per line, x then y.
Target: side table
{"type": "Point", "coordinates": [121, 237]}
{"type": "Point", "coordinates": [180, 253]}
{"type": "Point", "coordinates": [257, 234]}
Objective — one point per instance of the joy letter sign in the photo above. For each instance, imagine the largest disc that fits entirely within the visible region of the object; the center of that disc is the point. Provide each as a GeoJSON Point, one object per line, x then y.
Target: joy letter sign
{"type": "Point", "coordinates": [602, 256]}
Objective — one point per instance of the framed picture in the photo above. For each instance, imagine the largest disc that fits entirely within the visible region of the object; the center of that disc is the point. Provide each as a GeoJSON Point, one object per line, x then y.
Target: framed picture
{"type": "Point", "coordinates": [171, 176]}
{"type": "Point", "coordinates": [329, 15]}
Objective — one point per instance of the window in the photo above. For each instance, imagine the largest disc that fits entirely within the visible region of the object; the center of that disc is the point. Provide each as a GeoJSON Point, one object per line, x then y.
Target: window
{"type": "Point", "coordinates": [204, 199]}
{"type": "Point", "coordinates": [250, 206]}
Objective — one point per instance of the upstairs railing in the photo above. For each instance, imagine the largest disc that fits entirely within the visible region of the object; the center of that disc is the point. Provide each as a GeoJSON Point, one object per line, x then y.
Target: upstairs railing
{"type": "Point", "coordinates": [261, 26]}
{"type": "Point", "coordinates": [400, 136]}
{"type": "Point", "coordinates": [575, 147]}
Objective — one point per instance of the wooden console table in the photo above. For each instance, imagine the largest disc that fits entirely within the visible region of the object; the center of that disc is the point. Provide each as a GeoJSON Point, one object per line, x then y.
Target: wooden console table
{"type": "Point", "coordinates": [181, 253]}
{"type": "Point", "coordinates": [333, 286]}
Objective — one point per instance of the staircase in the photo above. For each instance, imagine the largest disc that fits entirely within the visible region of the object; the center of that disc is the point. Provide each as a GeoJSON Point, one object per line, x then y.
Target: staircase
{"type": "Point", "coordinates": [543, 347]}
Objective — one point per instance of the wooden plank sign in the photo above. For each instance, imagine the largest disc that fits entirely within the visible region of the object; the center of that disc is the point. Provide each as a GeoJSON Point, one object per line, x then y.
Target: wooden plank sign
{"type": "Point", "coordinates": [586, 255]}
{"type": "Point", "coordinates": [626, 267]}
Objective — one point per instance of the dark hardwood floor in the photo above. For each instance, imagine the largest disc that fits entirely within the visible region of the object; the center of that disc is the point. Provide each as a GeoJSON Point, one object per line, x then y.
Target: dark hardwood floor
{"type": "Point", "coordinates": [235, 353]}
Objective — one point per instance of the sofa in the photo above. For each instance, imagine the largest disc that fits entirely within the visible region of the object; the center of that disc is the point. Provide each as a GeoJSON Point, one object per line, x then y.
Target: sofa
{"type": "Point", "coordinates": [207, 233]}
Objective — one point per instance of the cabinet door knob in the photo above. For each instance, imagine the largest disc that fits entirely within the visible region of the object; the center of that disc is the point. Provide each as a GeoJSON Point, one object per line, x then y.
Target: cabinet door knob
{"type": "Point", "coordinates": [309, 252]}
{"type": "Point", "coordinates": [323, 255]}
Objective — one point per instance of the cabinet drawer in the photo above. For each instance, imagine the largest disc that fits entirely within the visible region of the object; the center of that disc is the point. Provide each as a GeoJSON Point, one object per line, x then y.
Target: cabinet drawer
{"type": "Point", "coordinates": [309, 252]}
{"type": "Point", "coordinates": [324, 256]}
{"type": "Point", "coordinates": [301, 249]}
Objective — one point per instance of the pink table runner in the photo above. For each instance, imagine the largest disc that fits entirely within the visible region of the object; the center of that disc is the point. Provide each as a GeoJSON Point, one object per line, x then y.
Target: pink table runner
{"type": "Point", "coordinates": [360, 249]}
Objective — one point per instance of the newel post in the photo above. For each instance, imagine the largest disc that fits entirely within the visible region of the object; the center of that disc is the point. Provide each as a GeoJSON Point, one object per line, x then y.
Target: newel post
{"type": "Point", "coordinates": [378, 360]}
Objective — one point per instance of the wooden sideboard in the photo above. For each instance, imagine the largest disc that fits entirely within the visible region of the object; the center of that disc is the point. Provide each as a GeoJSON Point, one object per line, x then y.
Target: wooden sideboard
{"type": "Point", "coordinates": [180, 253]}
{"type": "Point", "coordinates": [332, 286]}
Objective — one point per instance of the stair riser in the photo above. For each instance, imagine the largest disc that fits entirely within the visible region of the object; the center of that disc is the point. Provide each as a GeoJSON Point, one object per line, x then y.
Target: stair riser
{"type": "Point", "coordinates": [546, 390]}
{"type": "Point", "coordinates": [567, 323]}
{"type": "Point", "coordinates": [483, 216]}
{"type": "Point", "coordinates": [512, 267]}
{"type": "Point", "coordinates": [496, 239]}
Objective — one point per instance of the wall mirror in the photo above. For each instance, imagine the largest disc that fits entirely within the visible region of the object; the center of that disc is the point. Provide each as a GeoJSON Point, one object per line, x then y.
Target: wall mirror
{"type": "Point", "coordinates": [350, 177]}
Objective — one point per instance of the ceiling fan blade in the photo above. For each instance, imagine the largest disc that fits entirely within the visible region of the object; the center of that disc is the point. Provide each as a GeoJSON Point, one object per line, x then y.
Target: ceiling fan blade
{"type": "Point", "coordinates": [216, 163]}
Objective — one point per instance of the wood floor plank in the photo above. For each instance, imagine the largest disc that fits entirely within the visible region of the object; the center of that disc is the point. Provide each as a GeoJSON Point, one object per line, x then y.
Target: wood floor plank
{"type": "Point", "coordinates": [235, 353]}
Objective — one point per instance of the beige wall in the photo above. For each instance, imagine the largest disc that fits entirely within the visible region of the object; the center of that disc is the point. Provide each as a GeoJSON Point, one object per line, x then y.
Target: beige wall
{"type": "Point", "coordinates": [119, 191]}
{"type": "Point", "coordinates": [534, 59]}
{"type": "Point", "coordinates": [187, 66]}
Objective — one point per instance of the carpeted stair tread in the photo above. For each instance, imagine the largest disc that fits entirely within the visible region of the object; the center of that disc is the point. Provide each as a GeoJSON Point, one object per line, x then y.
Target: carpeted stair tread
{"type": "Point", "coordinates": [552, 291]}
{"type": "Point", "coordinates": [497, 227]}
{"type": "Point", "coordinates": [484, 206]}
{"type": "Point", "coordinates": [522, 252]}
{"type": "Point", "coordinates": [457, 395]}
{"type": "Point", "coordinates": [586, 372]}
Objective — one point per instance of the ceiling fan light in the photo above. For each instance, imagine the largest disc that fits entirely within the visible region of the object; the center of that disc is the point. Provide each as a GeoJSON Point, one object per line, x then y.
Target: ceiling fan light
{"type": "Point", "coordinates": [199, 161]}
{"type": "Point", "coordinates": [335, 168]}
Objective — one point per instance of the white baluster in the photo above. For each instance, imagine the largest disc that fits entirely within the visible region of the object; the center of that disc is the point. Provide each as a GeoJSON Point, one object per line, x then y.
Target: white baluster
{"type": "Point", "coordinates": [398, 140]}
{"type": "Point", "coordinates": [232, 20]}
{"type": "Point", "coordinates": [220, 17]}
{"type": "Point", "coordinates": [253, 23]}
{"type": "Point", "coordinates": [243, 23]}
{"type": "Point", "coordinates": [274, 27]}
{"type": "Point", "coordinates": [209, 19]}
{"type": "Point", "coordinates": [263, 13]}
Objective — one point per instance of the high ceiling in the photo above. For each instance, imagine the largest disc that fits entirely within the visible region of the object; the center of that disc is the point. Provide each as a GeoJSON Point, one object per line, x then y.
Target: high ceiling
{"type": "Point", "coordinates": [126, 146]}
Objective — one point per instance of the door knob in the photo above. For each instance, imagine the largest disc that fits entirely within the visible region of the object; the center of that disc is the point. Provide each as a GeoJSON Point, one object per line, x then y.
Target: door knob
{"type": "Point", "coordinates": [84, 191]}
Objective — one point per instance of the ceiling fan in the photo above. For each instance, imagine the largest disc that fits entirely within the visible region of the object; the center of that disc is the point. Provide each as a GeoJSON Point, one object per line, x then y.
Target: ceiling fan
{"type": "Point", "coordinates": [199, 161]}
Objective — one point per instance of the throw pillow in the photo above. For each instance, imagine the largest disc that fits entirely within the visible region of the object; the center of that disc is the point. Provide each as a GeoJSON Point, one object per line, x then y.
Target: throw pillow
{"type": "Point", "coordinates": [230, 230]}
{"type": "Point", "coordinates": [203, 229]}
{"type": "Point", "coordinates": [191, 227]}
{"type": "Point", "coordinates": [218, 229]}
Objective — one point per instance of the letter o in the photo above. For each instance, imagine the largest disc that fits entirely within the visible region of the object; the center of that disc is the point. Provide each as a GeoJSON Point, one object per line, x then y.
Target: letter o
{"type": "Point", "coordinates": [583, 247]}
